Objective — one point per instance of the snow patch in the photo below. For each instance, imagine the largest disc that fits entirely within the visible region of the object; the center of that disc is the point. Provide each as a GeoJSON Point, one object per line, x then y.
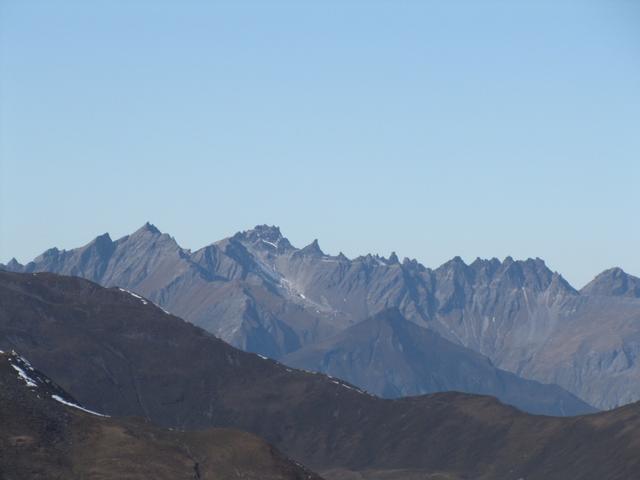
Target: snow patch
{"type": "Point", "coordinates": [144, 302]}
{"type": "Point", "coordinates": [58, 398]}
{"type": "Point", "coordinates": [345, 386]}
{"type": "Point", "coordinates": [21, 373]}
{"type": "Point", "coordinates": [269, 243]}
{"type": "Point", "coordinates": [293, 289]}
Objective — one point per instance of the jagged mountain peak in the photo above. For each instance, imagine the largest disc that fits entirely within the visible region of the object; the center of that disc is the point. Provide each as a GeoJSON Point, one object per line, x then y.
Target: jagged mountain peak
{"type": "Point", "coordinates": [100, 243]}
{"type": "Point", "coordinates": [489, 266]}
{"type": "Point", "coordinates": [378, 260]}
{"type": "Point", "coordinates": [393, 258]}
{"type": "Point", "coordinates": [271, 233]}
{"type": "Point", "coordinates": [508, 260]}
{"type": "Point", "coordinates": [613, 282]}
{"type": "Point", "coordinates": [149, 236]}
{"type": "Point", "coordinates": [51, 251]}
{"type": "Point", "coordinates": [104, 238]}
{"type": "Point", "coordinates": [147, 228]}
{"type": "Point", "coordinates": [313, 249]}
{"type": "Point", "coordinates": [411, 264]}
{"type": "Point", "coordinates": [528, 264]}
{"type": "Point", "coordinates": [457, 260]}
{"type": "Point", "coordinates": [454, 268]}
{"type": "Point", "coordinates": [494, 262]}
{"type": "Point", "coordinates": [13, 265]}
{"type": "Point", "coordinates": [267, 237]}
{"type": "Point", "coordinates": [531, 273]}
{"type": "Point", "coordinates": [47, 255]}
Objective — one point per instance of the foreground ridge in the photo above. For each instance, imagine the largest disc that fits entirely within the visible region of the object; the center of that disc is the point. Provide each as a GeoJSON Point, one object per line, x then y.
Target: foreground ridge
{"type": "Point", "coordinates": [131, 358]}
{"type": "Point", "coordinates": [50, 436]}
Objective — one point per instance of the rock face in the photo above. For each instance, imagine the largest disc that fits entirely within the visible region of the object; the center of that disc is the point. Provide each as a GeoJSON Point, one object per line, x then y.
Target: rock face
{"type": "Point", "coordinates": [259, 293]}
{"type": "Point", "coordinates": [119, 354]}
{"type": "Point", "coordinates": [393, 357]}
{"type": "Point", "coordinates": [45, 434]}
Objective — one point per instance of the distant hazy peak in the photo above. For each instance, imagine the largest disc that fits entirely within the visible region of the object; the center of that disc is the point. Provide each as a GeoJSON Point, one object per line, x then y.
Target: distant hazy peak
{"type": "Point", "coordinates": [13, 265]}
{"type": "Point", "coordinates": [613, 282]}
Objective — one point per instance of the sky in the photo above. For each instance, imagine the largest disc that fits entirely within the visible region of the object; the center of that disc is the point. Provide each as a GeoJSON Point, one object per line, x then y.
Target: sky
{"type": "Point", "coordinates": [429, 128]}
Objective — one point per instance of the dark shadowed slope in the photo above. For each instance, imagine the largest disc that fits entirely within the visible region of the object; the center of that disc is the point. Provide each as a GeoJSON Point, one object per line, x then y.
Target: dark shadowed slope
{"type": "Point", "coordinates": [45, 434]}
{"type": "Point", "coordinates": [121, 355]}
{"type": "Point", "coordinates": [391, 357]}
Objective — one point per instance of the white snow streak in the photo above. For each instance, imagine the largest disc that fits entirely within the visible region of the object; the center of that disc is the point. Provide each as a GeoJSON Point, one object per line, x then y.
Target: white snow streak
{"type": "Point", "coordinates": [144, 302]}
{"type": "Point", "coordinates": [63, 401]}
{"type": "Point", "coordinates": [30, 383]}
{"type": "Point", "coordinates": [346, 386]}
{"type": "Point", "coordinates": [269, 243]}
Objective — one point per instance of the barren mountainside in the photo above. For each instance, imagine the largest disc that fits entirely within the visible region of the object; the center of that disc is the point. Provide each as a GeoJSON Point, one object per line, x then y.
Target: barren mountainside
{"type": "Point", "coordinates": [393, 357]}
{"type": "Point", "coordinates": [45, 434]}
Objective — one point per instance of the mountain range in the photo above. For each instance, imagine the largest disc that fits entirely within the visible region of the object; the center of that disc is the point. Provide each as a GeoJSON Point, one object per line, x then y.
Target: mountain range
{"type": "Point", "coordinates": [260, 293]}
{"type": "Point", "coordinates": [118, 354]}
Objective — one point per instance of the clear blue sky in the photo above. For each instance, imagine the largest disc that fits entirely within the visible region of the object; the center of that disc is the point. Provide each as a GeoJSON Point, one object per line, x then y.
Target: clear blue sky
{"type": "Point", "coordinates": [432, 128]}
